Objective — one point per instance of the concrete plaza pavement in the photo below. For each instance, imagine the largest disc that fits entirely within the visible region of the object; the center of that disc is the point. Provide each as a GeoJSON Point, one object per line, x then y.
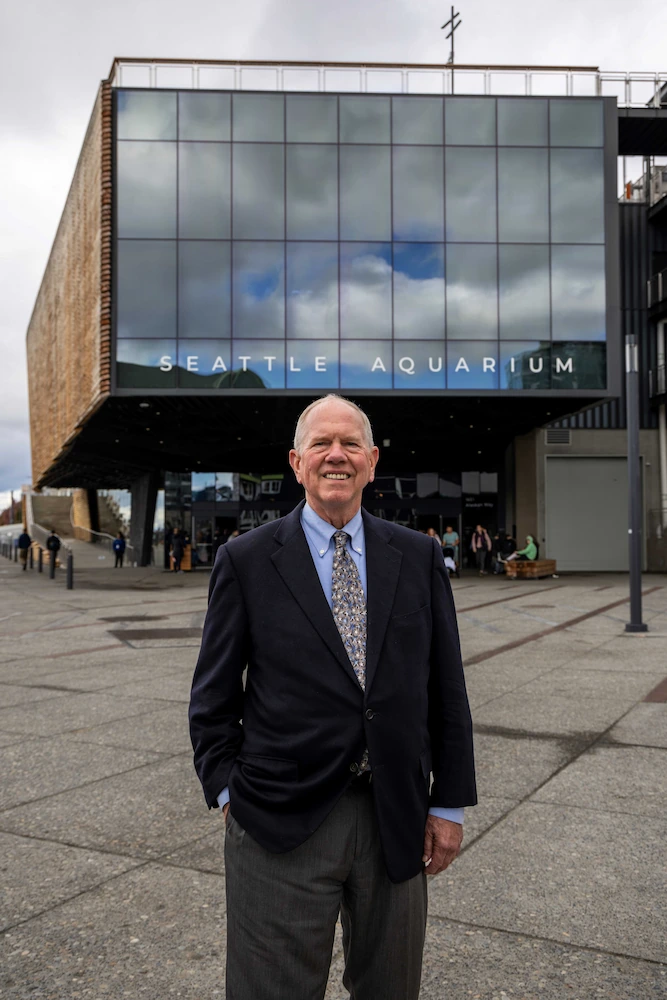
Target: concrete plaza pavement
{"type": "Point", "coordinates": [112, 873]}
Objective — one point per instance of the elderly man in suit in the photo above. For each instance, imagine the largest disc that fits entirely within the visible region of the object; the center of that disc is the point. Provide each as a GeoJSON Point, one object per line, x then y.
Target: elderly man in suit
{"type": "Point", "coordinates": [322, 764]}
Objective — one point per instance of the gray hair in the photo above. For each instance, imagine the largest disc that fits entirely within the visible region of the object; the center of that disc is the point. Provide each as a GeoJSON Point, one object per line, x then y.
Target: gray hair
{"type": "Point", "coordinates": [301, 422]}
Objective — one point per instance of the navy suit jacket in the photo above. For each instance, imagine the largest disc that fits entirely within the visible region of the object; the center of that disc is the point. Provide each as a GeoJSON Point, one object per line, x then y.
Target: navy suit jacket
{"type": "Point", "coordinates": [288, 744]}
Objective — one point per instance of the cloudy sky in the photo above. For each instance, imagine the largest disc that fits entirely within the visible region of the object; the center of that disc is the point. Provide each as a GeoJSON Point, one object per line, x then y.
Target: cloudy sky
{"type": "Point", "coordinates": [54, 55]}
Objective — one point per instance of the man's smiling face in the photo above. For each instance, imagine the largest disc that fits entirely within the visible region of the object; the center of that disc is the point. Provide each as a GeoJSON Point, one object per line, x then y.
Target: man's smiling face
{"type": "Point", "coordinates": [335, 462]}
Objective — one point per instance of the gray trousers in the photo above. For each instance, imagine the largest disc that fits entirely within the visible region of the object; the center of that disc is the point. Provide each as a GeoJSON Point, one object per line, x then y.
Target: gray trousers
{"type": "Point", "coordinates": [282, 911]}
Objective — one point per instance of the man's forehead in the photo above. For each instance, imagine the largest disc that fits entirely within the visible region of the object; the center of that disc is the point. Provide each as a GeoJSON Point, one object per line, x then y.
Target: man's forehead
{"type": "Point", "coordinates": [329, 416]}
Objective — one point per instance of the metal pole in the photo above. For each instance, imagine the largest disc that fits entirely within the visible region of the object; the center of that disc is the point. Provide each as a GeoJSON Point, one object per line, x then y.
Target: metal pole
{"type": "Point", "coordinates": [40, 559]}
{"type": "Point", "coordinates": [32, 558]}
{"type": "Point", "coordinates": [52, 564]}
{"type": "Point", "coordinates": [16, 551]}
{"type": "Point", "coordinates": [634, 486]}
{"type": "Point", "coordinates": [70, 571]}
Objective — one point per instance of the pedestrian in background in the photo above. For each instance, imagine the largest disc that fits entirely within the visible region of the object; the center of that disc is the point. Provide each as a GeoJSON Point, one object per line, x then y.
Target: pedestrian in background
{"type": "Point", "coordinates": [119, 550]}
{"type": "Point", "coordinates": [432, 533]}
{"type": "Point", "coordinates": [24, 543]}
{"type": "Point", "coordinates": [481, 546]}
{"type": "Point", "coordinates": [452, 539]}
{"type": "Point", "coordinates": [177, 549]}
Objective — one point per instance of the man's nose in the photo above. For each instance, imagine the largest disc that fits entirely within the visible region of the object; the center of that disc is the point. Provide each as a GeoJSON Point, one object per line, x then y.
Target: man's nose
{"type": "Point", "coordinates": [336, 452]}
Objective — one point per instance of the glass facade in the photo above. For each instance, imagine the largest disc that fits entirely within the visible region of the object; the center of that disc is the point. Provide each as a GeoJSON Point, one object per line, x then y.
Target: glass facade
{"type": "Point", "coordinates": [322, 241]}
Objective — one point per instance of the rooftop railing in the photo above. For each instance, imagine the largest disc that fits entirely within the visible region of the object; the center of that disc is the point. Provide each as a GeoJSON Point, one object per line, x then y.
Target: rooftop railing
{"type": "Point", "coordinates": [631, 90]}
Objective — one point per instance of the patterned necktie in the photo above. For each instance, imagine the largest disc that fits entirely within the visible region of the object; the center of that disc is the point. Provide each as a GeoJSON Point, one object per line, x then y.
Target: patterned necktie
{"type": "Point", "coordinates": [348, 605]}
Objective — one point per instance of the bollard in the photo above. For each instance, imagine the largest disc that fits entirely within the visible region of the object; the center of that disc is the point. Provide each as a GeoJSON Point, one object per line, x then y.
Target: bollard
{"type": "Point", "coordinates": [70, 571]}
{"type": "Point", "coordinates": [40, 560]}
{"type": "Point", "coordinates": [32, 559]}
{"type": "Point", "coordinates": [16, 553]}
{"type": "Point", "coordinates": [52, 564]}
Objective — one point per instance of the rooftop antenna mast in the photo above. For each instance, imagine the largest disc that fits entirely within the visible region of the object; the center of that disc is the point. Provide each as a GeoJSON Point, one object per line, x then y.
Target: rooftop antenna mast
{"type": "Point", "coordinates": [452, 24]}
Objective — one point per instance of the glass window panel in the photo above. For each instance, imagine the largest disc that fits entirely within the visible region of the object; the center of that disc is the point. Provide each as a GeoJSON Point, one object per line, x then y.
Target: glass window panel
{"type": "Point", "coordinates": [205, 364]}
{"type": "Point", "coordinates": [146, 176]}
{"type": "Point", "coordinates": [204, 195]}
{"type": "Point", "coordinates": [312, 192]}
{"type": "Point", "coordinates": [146, 364]}
{"type": "Point", "coordinates": [259, 192]}
{"type": "Point", "coordinates": [472, 365]}
{"type": "Point", "coordinates": [364, 119]}
{"type": "Point", "coordinates": [523, 122]}
{"type": "Point", "coordinates": [525, 300]}
{"type": "Point", "coordinates": [523, 196]}
{"type": "Point", "coordinates": [312, 364]}
{"type": "Point", "coordinates": [259, 290]}
{"type": "Point", "coordinates": [258, 364]}
{"type": "Point", "coordinates": [146, 288]}
{"type": "Point", "coordinates": [258, 118]}
{"type": "Point", "coordinates": [204, 116]}
{"type": "Point", "coordinates": [366, 366]}
{"type": "Point", "coordinates": [577, 196]}
{"type": "Point", "coordinates": [525, 365]}
{"type": "Point", "coordinates": [472, 292]}
{"type": "Point", "coordinates": [146, 114]}
{"type": "Point", "coordinates": [226, 487]}
{"type": "Point", "coordinates": [579, 366]}
{"type": "Point", "coordinates": [365, 193]}
{"type": "Point", "coordinates": [578, 293]}
{"type": "Point", "coordinates": [419, 291]}
{"type": "Point", "coordinates": [204, 284]}
{"type": "Point", "coordinates": [312, 290]}
{"type": "Point", "coordinates": [576, 123]}
{"type": "Point", "coordinates": [470, 186]}
{"type": "Point", "coordinates": [365, 290]}
{"type": "Point", "coordinates": [418, 193]}
{"type": "Point", "coordinates": [312, 118]}
{"type": "Point", "coordinates": [416, 120]}
{"type": "Point", "coordinates": [470, 121]}
{"type": "Point", "coordinates": [419, 365]}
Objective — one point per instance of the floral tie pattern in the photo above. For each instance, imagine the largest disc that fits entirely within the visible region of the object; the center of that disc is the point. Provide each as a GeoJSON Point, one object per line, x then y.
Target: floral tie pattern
{"type": "Point", "coordinates": [348, 605]}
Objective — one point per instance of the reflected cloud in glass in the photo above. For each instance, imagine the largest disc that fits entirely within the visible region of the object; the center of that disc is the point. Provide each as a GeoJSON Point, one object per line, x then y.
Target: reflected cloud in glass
{"type": "Point", "coordinates": [258, 192]}
{"type": "Point", "coordinates": [205, 363]}
{"type": "Point", "coordinates": [578, 293]}
{"type": "Point", "coordinates": [472, 292]}
{"type": "Point", "coordinates": [204, 286]}
{"type": "Point", "coordinates": [576, 122]}
{"type": "Point", "coordinates": [470, 186]}
{"type": "Point", "coordinates": [419, 291]}
{"type": "Point", "coordinates": [259, 289]}
{"type": "Point", "coordinates": [577, 196]}
{"type": "Point", "coordinates": [258, 118]}
{"type": "Point", "coordinates": [365, 193]}
{"type": "Point", "coordinates": [146, 173]}
{"type": "Point", "coordinates": [523, 196]}
{"type": "Point", "coordinates": [364, 119]}
{"type": "Point", "coordinates": [312, 290]}
{"type": "Point", "coordinates": [365, 290]}
{"type": "Point", "coordinates": [146, 114]}
{"type": "Point", "coordinates": [312, 364]}
{"type": "Point", "coordinates": [312, 192]}
{"type": "Point", "coordinates": [417, 120]}
{"type": "Point", "coordinates": [146, 364]}
{"type": "Point", "coordinates": [146, 287]}
{"type": "Point", "coordinates": [525, 306]}
{"type": "Point", "coordinates": [204, 116]}
{"type": "Point", "coordinates": [258, 364]}
{"type": "Point", "coordinates": [366, 366]}
{"type": "Point", "coordinates": [472, 365]}
{"type": "Point", "coordinates": [470, 121]}
{"type": "Point", "coordinates": [418, 200]}
{"type": "Point", "coordinates": [419, 365]}
{"type": "Point", "coordinates": [204, 192]}
{"type": "Point", "coordinates": [312, 118]}
{"type": "Point", "coordinates": [522, 122]}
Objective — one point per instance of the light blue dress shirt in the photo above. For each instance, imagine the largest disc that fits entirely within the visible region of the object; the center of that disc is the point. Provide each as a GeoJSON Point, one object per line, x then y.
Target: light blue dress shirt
{"type": "Point", "coordinates": [319, 535]}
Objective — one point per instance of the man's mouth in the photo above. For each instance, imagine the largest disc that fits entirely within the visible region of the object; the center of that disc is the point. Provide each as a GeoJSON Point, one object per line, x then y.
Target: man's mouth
{"type": "Point", "coordinates": [336, 475]}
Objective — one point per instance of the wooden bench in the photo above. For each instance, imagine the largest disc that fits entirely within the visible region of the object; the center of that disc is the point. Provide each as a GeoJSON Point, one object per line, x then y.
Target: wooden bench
{"type": "Point", "coordinates": [530, 569]}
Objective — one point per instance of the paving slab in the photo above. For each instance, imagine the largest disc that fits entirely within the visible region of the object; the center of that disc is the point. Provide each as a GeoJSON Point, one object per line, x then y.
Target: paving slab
{"type": "Point", "coordinates": [174, 686]}
{"type": "Point", "coordinates": [32, 670]}
{"type": "Point", "coordinates": [514, 765]}
{"type": "Point", "coordinates": [645, 725]}
{"type": "Point", "coordinates": [33, 769]}
{"type": "Point", "coordinates": [162, 731]}
{"type": "Point", "coordinates": [144, 813]}
{"type": "Point", "coordinates": [16, 694]}
{"type": "Point", "coordinates": [623, 779]}
{"type": "Point", "coordinates": [155, 932]}
{"type": "Point", "coordinates": [595, 879]}
{"type": "Point", "coordinates": [107, 675]}
{"type": "Point", "coordinates": [79, 711]}
{"type": "Point", "coordinates": [57, 873]}
{"type": "Point", "coordinates": [207, 853]}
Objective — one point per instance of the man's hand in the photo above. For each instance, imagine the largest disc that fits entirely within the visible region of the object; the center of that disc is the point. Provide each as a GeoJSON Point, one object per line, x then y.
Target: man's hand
{"type": "Point", "coordinates": [225, 810]}
{"type": "Point", "coordinates": [442, 843]}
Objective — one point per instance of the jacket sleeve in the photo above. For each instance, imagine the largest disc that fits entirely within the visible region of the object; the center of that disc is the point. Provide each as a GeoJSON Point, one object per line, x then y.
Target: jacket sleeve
{"type": "Point", "coordinates": [216, 700]}
{"type": "Point", "coordinates": [449, 721]}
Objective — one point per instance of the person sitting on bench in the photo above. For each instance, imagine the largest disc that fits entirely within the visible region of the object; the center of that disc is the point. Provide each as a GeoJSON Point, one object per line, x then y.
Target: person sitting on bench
{"type": "Point", "coordinates": [529, 553]}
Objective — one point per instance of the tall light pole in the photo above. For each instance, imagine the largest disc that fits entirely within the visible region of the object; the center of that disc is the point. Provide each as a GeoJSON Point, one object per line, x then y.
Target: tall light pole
{"type": "Point", "coordinates": [634, 485]}
{"type": "Point", "coordinates": [452, 24]}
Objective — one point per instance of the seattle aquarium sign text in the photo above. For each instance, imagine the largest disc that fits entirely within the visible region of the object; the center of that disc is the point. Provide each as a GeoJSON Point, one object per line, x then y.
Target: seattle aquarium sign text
{"type": "Point", "coordinates": [407, 365]}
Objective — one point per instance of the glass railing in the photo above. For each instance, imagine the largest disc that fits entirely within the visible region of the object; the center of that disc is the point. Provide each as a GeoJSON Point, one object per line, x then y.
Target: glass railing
{"type": "Point", "coordinates": [656, 288]}
{"type": "Point", "coordinates": [657, 381]}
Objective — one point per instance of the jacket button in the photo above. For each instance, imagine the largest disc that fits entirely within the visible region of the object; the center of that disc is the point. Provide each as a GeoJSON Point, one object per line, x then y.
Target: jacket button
{"type": "Point", "coordinates": [354, 767]}
{"type": "Point", "coordinates": [369, 713]}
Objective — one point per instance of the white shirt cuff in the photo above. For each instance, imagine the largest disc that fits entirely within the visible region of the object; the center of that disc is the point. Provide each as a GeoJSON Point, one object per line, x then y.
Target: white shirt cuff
{"type": "Point", "coordinates": [453, 815]}
{"type": "Point", "coordinates": [223, 798]}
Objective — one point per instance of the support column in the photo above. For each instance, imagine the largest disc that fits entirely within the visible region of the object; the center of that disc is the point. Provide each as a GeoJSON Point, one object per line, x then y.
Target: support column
{"type": "Point", "coordinates": [662, 429]}
{"type": "Point", "coordinates": [144, 497]}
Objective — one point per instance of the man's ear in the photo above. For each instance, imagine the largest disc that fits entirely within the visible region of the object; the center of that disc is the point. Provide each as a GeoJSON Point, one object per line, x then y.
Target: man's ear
{"type": "Point", "coordinates": [375, 454]}
{"type": "Point", "coordinates": [295, 462]}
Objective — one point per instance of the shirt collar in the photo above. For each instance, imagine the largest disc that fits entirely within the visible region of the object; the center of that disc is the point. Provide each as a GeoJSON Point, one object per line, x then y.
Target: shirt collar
{"type": "Point", "coordinates": [321, 532]}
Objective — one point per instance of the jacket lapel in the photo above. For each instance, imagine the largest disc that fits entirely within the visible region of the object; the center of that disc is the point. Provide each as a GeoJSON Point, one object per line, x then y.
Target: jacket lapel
{"type": "Point", "coordinates": [383, 564]}
{"type": "Point", "coordinates": [295, 565]}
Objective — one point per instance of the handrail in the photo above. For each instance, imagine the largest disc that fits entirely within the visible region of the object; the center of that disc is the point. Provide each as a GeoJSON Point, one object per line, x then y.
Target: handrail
{"type": "Point", "coordinates": [105, 538]}
{"type": "Point", "coordinates": [40, 535]}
